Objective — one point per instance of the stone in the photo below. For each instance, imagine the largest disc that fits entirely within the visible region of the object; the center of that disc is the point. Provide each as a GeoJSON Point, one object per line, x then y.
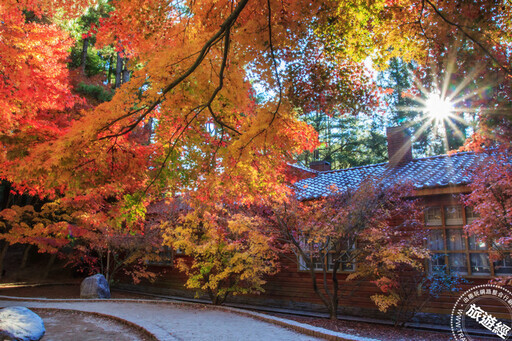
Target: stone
{"type": "Point", "coordinates": [20, 324]}
{"type": "Point", "coordinates": [95, 287]}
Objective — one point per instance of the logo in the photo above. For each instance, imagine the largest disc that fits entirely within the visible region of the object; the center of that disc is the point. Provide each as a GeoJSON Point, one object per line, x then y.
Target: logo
{"type": "Point", "coordinates": [473, 311]}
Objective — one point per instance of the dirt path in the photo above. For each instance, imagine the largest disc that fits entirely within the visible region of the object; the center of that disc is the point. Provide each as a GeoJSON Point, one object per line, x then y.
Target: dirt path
{"type": "Point", "coordinates": [63, 325]}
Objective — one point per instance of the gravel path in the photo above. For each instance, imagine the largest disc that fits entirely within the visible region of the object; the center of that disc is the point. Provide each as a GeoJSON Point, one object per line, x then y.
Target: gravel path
{"type": "Point", "coordinates": [178, 322]}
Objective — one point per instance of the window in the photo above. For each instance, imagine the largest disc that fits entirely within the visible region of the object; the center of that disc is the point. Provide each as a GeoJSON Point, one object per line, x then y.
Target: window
{"type": "Point", "coordinates": [480, 264]}
{"type": "Point", "coordinates": [457, 263]}
{"type": "Point", "coordinates": [346, 259]}
{"type": "Point", "coordinates": [456, 239]}
{"type": "Point", "coordinates": [164, 258]}
{"type": "Point", "coordinates": [437, 263]}
{"type": "Point", "coordinates": [436, 240]}
{"type": "Point", "coordinates": [503, 266]}
{"type": "Point", "coordinates": [456, 252]}
{"type": "Point", "coordinates": [475, 244]}
{"type": "Point", "coordinates": [433, 216]}
{"type": "Point", "coordinates": [453, 215]}
{"type": "Point", "coordinates": [471, 215]}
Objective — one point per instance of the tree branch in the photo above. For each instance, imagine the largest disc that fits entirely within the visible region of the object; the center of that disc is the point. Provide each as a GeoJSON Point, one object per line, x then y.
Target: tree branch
{"type": "Point", "coordinates": [474, 40]}
{"type": "Point", "coordinates": [224, 29]}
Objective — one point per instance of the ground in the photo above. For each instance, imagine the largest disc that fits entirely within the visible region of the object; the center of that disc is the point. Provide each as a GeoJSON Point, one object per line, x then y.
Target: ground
{"type": "Point", "coordinates": [95, 328]}
{"type": "Point", "coordinates": [86, 327]}
{"type": "Point", "coordinates": [381, 332]}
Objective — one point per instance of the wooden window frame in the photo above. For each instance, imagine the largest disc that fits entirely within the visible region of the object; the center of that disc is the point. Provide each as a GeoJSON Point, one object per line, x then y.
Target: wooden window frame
{"type": "Point", "coordinates": [302, 266]}
{"type": "Point", "coordinates": [467, 251]}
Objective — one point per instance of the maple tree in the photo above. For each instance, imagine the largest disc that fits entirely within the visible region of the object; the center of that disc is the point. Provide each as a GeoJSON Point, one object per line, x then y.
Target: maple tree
{"type": "Point", "coordinates": [491, 200]}
{"type": "Point", "coordinates": [203, 134]}
{"type": "Point", "coordinates": [230, 254]}
{"type": "Point", "coordinates": [197, 84]}
{"type": "Point", "coordinates": [197, 78]}
{"type": "Point", "coordinates": [373, 226]}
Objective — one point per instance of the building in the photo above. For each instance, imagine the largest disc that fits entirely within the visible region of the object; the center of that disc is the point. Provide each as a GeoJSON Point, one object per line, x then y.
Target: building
{"type": "Point", "coordinates": [438, 181]}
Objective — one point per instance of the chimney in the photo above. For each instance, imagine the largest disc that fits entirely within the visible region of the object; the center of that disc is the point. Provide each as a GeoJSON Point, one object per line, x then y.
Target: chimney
{"type": "Point", "coordinates": [320, 166]}
{"type": "Point", "coordinates": [399, 146]}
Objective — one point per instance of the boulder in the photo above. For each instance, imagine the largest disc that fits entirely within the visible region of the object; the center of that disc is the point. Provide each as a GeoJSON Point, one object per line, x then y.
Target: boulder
{"type": "Point", "coordinates": [20, 324]}
{"type": "Point", "coordinates": [95, 287]}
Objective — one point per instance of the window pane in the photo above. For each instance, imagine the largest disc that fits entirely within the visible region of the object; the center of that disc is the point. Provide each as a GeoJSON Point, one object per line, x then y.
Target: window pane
{"type": "Point", "coordinates": [165, 257]}
{"type": "Point", "coordinates": [347, 263]}
{"type": "Point", "coordinates": [457, 262]}
{"type": "Point", "coordinates": [318, 263]}
{"type": "Point", "coordinates": [475, 244]}
{"type": "Point", "coordinates": [330, 262]}
{"type": "Point", "coordinates": [433, 216]}
{"type": "Point", "coordinates": [471, 215]}
{"type": "Point", "coordinates": [302, 263]}
{"type": "Point", "coordinates": [453, 215]}
{"type": "Point", "coordinates": [436, 240]}
{"type": "Point", "coordinates": [480, 264]}
{"type": "Point", "coordinates": [437, 263]}
{"type": "Point", "coordinates": [455, 239]}
{"type": "Point", "coordinates": [503, 266]}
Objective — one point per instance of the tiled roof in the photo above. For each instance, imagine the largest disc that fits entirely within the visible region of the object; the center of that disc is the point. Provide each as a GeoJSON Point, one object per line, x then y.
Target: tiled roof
{"type": "Point", "coordinates": [428, 172]}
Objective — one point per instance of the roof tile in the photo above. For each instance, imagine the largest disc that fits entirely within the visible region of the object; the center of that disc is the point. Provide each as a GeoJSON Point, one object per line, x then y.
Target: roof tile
{"type": "Point", "coordinates": [435, 171]}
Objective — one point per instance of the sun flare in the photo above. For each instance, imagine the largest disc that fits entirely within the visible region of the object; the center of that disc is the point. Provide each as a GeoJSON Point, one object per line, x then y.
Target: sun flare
{"type": "Point", "coordinates": [445, 108]}
{"type": "Point", "coordinates": [438, 107]}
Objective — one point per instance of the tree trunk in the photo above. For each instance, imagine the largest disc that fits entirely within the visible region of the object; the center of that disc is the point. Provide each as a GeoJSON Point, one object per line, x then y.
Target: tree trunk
{"type": "Point", "coordinates": [107, 272]}
{"type": "Point", "coordinates": [110, 68]}
{"type": "Point", "coordinates": [25, 256]}
{"type": "Point", "coordinates": [49, 265]}
{"type": "Point", "coordinates": [119, 70]}
{"type": "Point", "coordinates": [335, 289]}
{"type": "Point", "coordinates": [2, 257]}
{"type": "Point", "coordinates": [84, 54]}
{"type": "Point", "coordinates": [126, 73]}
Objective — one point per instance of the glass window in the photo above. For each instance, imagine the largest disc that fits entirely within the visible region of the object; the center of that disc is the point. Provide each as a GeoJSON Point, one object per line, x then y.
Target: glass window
{"type": "Point", "coordinates": [433, 216]}
{"type": "Point", "coordinates": [480, 264]}
{"type": "Point", "coordinates": [453, 215]}
{"type": "Point", "coordinates": [318, 263]}
{"type": "Point", "coordinates": [165, 257]}
{"type": "Point", "coordinates": [476, 244]}
{"type": "Point", "coordinates": [503, 266]}
{"type": "Point", "coordinates": [437, 263]}
{"type": "Point", "coordinates": [302, 263]}
{"type": "Point", "coordinates": [456, 252]}
{"type": "Point", "coordinates": [455, 239]}
{"type": "Point", "coordinates": [457, 263]}
{"type": "Point", "coordinates": [330, 262]}
{"type": "Point", "coordinates": [471, 215]}
{"type": "Point", "coordinates": [436, 240]}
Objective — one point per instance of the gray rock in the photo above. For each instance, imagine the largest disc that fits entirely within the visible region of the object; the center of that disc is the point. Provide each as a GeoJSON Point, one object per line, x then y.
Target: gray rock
{"type": "Point", "coordinates": [20, 324]}
{"type": "Point", "coordinates": [95, 287]}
